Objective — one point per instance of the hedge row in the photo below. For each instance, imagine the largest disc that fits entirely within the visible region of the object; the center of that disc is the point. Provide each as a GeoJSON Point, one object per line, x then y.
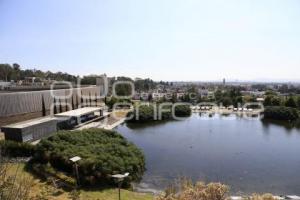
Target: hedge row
{"type": "Point", "coordinates": [16, 149]}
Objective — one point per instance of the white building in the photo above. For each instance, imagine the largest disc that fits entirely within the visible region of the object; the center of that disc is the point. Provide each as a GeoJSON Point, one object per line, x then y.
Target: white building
{"type": "Point", "coordinates": [4, 85]}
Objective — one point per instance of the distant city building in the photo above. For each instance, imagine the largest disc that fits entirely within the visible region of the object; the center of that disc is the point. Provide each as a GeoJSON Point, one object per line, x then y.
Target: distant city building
{"type": "Point", "coordinates": [203, 92]}
{"type": "Point", "coordinates": [157, 95]}
{"type": "Point", "coordinates": [35, 81]}
{"type": "Point", "coordinates": [168, 95]}
{"type": "Point", "coordinates": [144, 96]}
{"type": "Point", "coordinates": [211, 95]}
{"type": "Point", "coordinates": [4, 85]}
{"type": "Point", "coordinates": [179, 95]}
{"type": "Point", "coordinates": [260, 99]}
{"type": "Point", "coordinates": [29, 80]}
{"type": "Point", "coordinates": [254, 93]}
{"type": "Point", "coordinates": [141, 96]}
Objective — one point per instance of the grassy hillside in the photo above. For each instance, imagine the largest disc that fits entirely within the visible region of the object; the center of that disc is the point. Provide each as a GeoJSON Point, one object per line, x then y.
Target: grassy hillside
{"type": "Point", "coordinates": [42, 190]}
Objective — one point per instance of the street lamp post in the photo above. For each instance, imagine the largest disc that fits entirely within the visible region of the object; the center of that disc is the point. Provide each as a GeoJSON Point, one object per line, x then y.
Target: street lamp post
{"type": "Point", "coordinates": [75, 160]}
{"type": "Point", "coordinates": [120, 178]}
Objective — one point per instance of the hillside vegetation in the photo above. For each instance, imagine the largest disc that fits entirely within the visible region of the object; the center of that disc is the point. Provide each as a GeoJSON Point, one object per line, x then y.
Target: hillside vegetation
{"type": "Point", "coordinates": [103, 154]}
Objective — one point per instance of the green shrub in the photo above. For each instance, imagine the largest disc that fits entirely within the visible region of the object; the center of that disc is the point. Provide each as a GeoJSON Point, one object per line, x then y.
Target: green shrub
{"type": "Point", "coordinates": [16, 149]}
{"type": "Point", "coordinates": [183, 111]}
{"type": "Point", "coordinates": [46, 171]}
{"type": "Point", "coordinates": [290, 102]}
{"type": "Point", "coordinates": [281, 113]}
{"type": "Point", "coordinates": [103, 153]}
{"type": "Point", "coordinates": [144, 113]}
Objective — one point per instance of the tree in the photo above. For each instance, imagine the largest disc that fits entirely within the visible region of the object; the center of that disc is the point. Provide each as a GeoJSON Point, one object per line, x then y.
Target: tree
{"type": "Point", "coordinates": [16, 67]}
{"type": "Point", "coordinates": [144, 113]}
{"type": "Point", "coordinates": [290, 102]}
{"type": "Point", "coordinates": [111, 102]}
{"type": "Point", "coordinates": [238, 101]}
{"type": "Point", "coordinates": [123, 90]}
{"type": "Point", "coordinates": [89, 80]}
{"type": "Point", "coordinates": [298, 102]}
{"type": "Point", "coordinates": [270, 93]}
{"type": "Point", "coordinates": [174, 98]}
{"type": "Point", "coordinates": [144, 85]}
{"type": "Point", "coordinates": [43, 106]}
{"type": "Point", "coordinates": [186, 98]}
{"type": "Point", "coordinates": [16, 72]}
{"type": "Point", "coordinates": [226, 101]}
{"type": "Point", "coordinates": [5, 72]}
{"type": "Point", "coordinates": [183, 111]}
{"type": "Point", "coordinates": [276, 101]}
{"type": "Point", "coordinates": [268, 101]}
{"type": "Point", "coordinates": [218, 95]}
{"type": "Point", "coordinates": [281, 113]}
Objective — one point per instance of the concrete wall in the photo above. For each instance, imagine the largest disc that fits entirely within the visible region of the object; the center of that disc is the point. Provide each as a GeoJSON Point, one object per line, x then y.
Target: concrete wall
{"type": "Point", "coordinates": [28, 102]}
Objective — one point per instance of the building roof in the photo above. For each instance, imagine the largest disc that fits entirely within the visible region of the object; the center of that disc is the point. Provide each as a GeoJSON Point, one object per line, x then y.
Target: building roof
{"type": "Point", "coordinates": [79, 112]}
{"type": "Point", "coordinates": [29, 123]}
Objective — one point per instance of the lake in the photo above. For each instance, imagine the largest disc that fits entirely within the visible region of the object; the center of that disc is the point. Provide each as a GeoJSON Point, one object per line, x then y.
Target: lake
{"type": "Point", "coordinates": [245, 153]}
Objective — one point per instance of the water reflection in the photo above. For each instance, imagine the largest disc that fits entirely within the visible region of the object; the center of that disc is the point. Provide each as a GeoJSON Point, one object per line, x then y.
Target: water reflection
{"type": "Point", "coordinates": [288, 126]}
{"type": "Point", "coordinates": [249, 155]}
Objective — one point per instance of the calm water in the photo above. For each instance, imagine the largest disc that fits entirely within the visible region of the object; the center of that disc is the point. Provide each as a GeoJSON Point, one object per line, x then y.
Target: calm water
{"type": "Point", "coordinates": [249, 155]}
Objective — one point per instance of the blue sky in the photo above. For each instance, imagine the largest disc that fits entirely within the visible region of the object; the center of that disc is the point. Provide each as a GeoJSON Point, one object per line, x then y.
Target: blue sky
{"type": "Point", "coordinates": [161, 39]}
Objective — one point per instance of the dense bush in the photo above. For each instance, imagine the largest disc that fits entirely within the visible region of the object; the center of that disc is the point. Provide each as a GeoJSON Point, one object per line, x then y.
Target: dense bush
{"type": "Point", "coordinates": [290, 102]}
{"type": "Point", "coordinates": [144, 113]}
{"type": "Point", "coordinates": [200, 191]}
{"type": "Point", "coordinates": [281, 113]}
{"type": "Point", "coordinates": [103, 153]}
{"type": "Point", "coordinates": [272, 100]}
{"type": "Point", "coordinates": [16, 149]}
{"type": "Point", "coordinates": [183, 111]}
{"type": "Point", "coordinates": [187, 190]}
{"type": "Point", "coordinates": [47, 172]}
{"type": "Point", "coordinates": [13, 184]}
